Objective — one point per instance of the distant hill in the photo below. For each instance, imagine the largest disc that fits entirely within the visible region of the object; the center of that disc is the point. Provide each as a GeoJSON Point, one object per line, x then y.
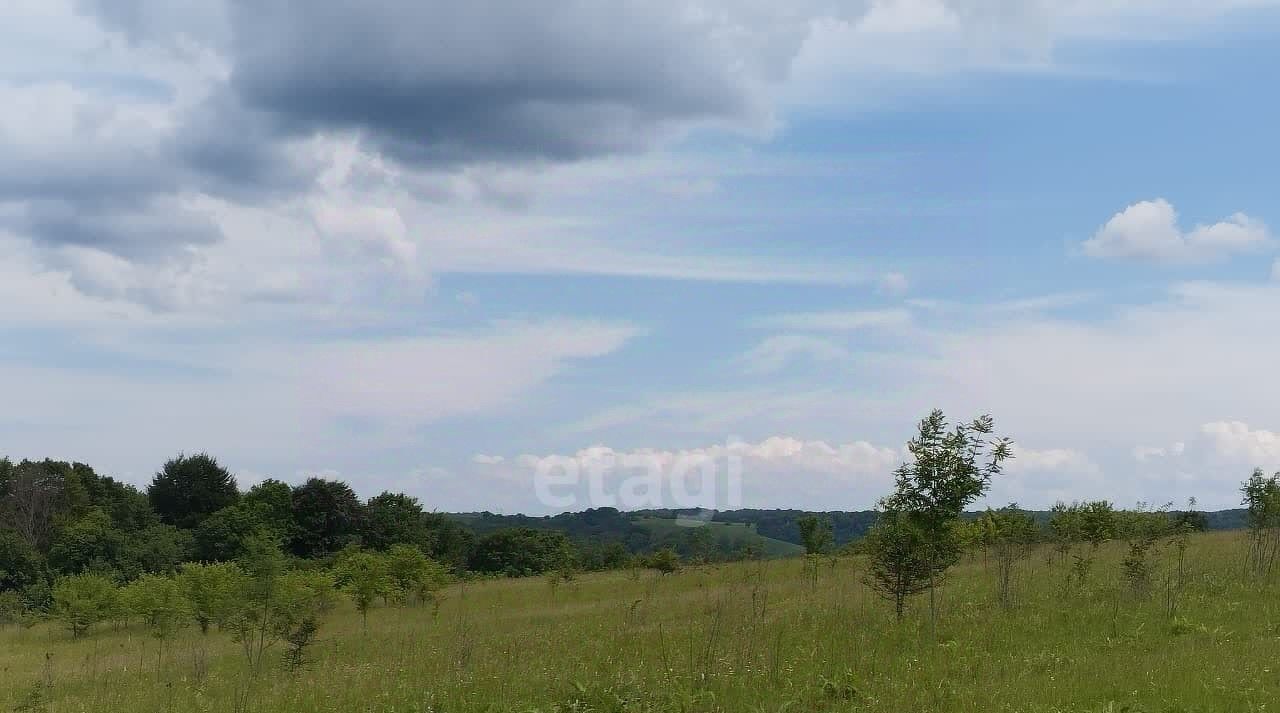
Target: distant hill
{"type": "Point", "coordinates": [772, 532]}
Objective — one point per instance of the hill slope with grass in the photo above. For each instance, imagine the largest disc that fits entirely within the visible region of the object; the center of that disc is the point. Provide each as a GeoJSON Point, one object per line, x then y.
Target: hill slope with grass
{"type": "Point", "coordinates": [768, 635]}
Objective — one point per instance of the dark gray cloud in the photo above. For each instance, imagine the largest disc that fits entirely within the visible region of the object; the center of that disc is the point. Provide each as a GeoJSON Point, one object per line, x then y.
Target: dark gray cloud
{"type": "Point", "coordinates": [489, 79]}
{"type": "Point", "coordinates": [143, 231]}
{"type": "Point", "coordinates": [432, 84]}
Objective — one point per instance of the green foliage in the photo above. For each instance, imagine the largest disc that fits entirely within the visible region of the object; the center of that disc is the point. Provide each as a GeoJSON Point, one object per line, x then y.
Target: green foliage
{"type": "Point", "coordinates": [328, 517]}
{"type": "Point", "coordinates": [20, 564]}
{"type": "Point", "coordinates": [1142, 529]}
{"type": "Point", "coordinates": [950, 468]}
{"type": "Point", "coordinates": [521, 552]}
{"type": "Point", "coordinates": [364, 576]}
{"type": "Point", "coordinates": [160, 602]}
{"type": "Point", "coordinates": [213, 591]}
{"type": "Point", "coordinates": [83, 600]}
{"type": "Point", "coordinates": [1262, 503]}
{"type": "Point", "coordinates": [664, 561]}
{"type": "Point", "coordinates": [815, 534]}
{"type": "Point", "coordinates": [190, 488]}
{"type": "Point", "coordinates": [393, 518]}
{"type": "Point", "coordinates": [158, 549]}
{"type": "Point", "coordinates": [272, 500]}
{"type": "Point", "coordinates": [12, 609]}
{"type": "Point", "coordinates": [900, 561]}
{"type": "Point", "coordinates": [89, 543]}
{"type": "Point", "coordinates": [412, 574]}
{"type": "Point", "coordinates": [224, 535]}
{"type": "Point", "coordinates": [1008, 534]}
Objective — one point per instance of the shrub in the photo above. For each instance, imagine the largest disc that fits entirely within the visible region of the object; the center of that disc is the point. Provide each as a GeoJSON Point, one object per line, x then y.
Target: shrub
{"type": "Point", "coordinates": [664, 561]}
{"type": "Point", "coordinates": [82, 600]}
{"type": "Point", "coordinates": [212, 591]}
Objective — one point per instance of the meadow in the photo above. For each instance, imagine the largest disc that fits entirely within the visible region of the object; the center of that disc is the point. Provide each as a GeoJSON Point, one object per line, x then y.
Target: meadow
{"type": "Point", "coordinates": [797, 634]}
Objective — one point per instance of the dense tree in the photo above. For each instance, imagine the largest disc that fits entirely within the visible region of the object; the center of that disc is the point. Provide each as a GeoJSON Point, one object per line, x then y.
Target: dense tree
{"type": "Point", "coordinates": [91, 543]}
{"type": "Point", "coordinates": [393, 518]}
{"type": "Point", "coordinates": [158, 549]}
{"type": "Point", "coordinates": [521, 552]}
{"type": "Point", "coordinates": [190, 488]}
{"type": "Point", "coordinates": [273, 501]}
{"type": "Point", "coordinates": [448, 541]}
{"type": "Point", "coordinates": [328, 516]}
{"type": "Point", "coordinates": [222, 536]}
{"type": "Point", "coordinates": [20, 564]}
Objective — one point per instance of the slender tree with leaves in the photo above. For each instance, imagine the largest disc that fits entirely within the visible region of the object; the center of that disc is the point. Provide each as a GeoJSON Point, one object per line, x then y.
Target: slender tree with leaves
{"type": "Point", "coordinates": [950, 467]}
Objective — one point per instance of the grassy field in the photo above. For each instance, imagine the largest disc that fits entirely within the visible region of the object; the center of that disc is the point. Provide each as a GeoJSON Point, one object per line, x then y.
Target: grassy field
{"type": "Point", "coordinates": [761, 636]}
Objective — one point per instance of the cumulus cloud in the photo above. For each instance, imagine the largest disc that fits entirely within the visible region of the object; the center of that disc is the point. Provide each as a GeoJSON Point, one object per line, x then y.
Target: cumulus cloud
{"type": "Point", "coordinates": [1237, 441]}
{"type": "Point", "coordinates": [1149, 230]}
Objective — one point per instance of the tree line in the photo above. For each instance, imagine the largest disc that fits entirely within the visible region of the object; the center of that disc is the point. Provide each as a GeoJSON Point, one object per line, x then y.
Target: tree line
{"type": "Point", "coordinates": [62, 520]}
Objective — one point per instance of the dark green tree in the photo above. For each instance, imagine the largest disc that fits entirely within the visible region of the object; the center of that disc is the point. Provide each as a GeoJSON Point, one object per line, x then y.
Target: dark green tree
{"type": "Point", "coordinates": [20, 565]}
{"type": "Point", "coordinates": [522, 552]}
{"type": "Point", "coordinates": [158, 549]}
{"type": "Point", "coordinates": [223, 536]}
{"type": "Point", "coordinates": [328, 517]}
{"type": "Point", "coordinates": [393, 519]}
{"type": "Point", "coordinates": [448, 541]}
{"type": "Point", "coordinates": [190, 488]}
{"type": "Point", "coordinates": [90, 543]}
{"type": "Point", "coordinates": [273, 501]}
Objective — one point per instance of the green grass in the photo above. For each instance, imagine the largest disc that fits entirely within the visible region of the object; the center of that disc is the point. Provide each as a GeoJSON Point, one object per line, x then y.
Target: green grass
{"type": "Point", "coordinates": [740, 638]}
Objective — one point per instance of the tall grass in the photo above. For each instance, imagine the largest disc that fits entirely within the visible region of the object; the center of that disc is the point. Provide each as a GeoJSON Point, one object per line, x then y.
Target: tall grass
{"type": "Point", "coordinates": [754, 636]}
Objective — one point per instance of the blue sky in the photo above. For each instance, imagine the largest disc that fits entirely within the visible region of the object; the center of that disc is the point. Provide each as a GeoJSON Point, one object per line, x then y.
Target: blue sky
{"type": "Point", "coordinates": [513, 235]}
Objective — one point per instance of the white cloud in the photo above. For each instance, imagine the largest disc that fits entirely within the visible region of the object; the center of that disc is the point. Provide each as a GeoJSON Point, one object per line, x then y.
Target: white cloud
{"type": "Point", "coordinates": [1144, 454]}
{"type": "Point", "coordinates": [1054, 459]}
{"type": "Point", "coordinates": [775, 353]}
{"type": "Point", "coordinates": [841, 460]}
{"type": "Point", "coordinates": [264, 404]}
{"type": "Point", "coordinates": [1238, 442]}
{"type": "Point", "coordinates": [1149, 230]}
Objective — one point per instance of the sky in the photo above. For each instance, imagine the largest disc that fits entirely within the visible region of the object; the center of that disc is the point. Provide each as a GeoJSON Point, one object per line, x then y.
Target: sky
{"type": "Point", "coordinates": [456, 250]}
